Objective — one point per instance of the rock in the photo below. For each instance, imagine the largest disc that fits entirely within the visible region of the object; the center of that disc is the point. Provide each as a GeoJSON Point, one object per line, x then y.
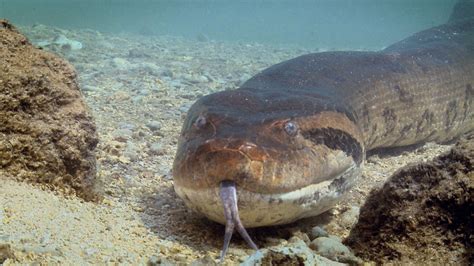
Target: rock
{"type": "Point", "coordinates": [300, 236]}
{"type": "Point", "coordinates": [131, 152]}
{"type": "Point", "coordinates": [296, 253]}
{"type": "Point", "coordinates": [149, 68]}
{"type": "Point", "coordinates": [122, 134]}
{"type": "Point", "coordinates": [205, 261]}
{"type": "Point", "coordinates": [154, 125]}
{"type": "Point", "coordinates": [47, 133]}
{"type": "Point", "coordinates": [90, 88]}
{"type": "Point", "coordinates": [332, 249]}
{"type": "Point", "coordinates": [157, 149]}
{"type": "Point", "coordinates": [67, 44]}
{"type": "Point", "coordinates": [61, 42]}
{"type": "Point", "coordinates": [126, 125]}
{"type": "Point", "coordinates": [316, 232]}
{"type": "Point", "coordinates": [349, 217]}
{"type": "Point", "coordinates": [167, 73]}
{"type": "Point", "coordinates": [120, 96]}
{"type": "Point", "coordinates": [422, 214]}
{"type": "Point", "coordinates": [155, 261]}
{"type": "Point", "coordinates": [6, 252]}
{"type": "Point", "coordinates": [121, 63]}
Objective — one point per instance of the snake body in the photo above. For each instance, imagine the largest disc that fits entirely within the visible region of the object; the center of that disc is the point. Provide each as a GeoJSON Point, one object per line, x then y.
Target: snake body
{"type": "Point", "coordinates": [293, 138]}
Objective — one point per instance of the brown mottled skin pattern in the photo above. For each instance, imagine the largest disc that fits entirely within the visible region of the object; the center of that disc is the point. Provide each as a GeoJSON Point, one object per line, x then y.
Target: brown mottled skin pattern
{"type": "Point", "coordinates": [419, 89]}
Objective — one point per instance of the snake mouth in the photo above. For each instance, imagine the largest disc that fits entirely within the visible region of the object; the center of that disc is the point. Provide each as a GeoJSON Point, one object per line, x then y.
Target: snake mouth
{"type": "Point", "coordinates": [259, 209]}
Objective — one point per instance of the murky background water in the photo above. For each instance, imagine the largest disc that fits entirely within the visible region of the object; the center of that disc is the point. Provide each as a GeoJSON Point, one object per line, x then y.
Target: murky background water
{"type": "Point", "coordinates": [326, 24]}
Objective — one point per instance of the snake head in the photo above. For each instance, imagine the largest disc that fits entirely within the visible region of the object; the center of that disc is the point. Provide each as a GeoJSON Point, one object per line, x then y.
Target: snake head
{"type": "Point", "coordinates": [289, 157]}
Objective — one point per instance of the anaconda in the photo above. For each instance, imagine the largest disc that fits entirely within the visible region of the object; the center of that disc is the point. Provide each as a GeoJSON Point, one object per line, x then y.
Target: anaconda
{"type": "Point", "coordinates": [292, 140]}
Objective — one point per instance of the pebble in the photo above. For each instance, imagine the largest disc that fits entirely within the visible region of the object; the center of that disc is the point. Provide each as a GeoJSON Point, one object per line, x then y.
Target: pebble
{"type": "Point", "coordinates": [154, 125]}
{"type": "Point", "coordinates": [89, 88]}
{"type": "Point", "coordinates": [300, 235]}
{"type": "Point", "coordinates": [126, 125]}
{"type": "Point", "coordinates": [66, 43]}
{"type": "Point", "coordinates": [120, 96]}
{"type": "Point", "coordinates": [6, 252]}
{"type": "Point", "coordinates": [350, 217]}
{"type": "Point", "coordinates": [287, 254]}
{"type": "Point", "coordinates": [316, 232]}
{"type": "Point", "coordinates": [155, 261]}
{"type": "Point", "coordinates": [131, 152]}
{"type": "Point", "coordinates": [332, 249]}
{"type": "Point", "coordinates": [157, 149]}
{"type": "Point", "coordinates": [176, 83]}
{"type": "Point", "coordinates": [122, 134]}
{"type": "Point", "coordinates": [206, 260]}
{"type": "Point", "coordinates": [149, 68]}
{"type": "Point", "coordinates": [121, 63]}
{"type": "Point", "coordinates": [167, 73]}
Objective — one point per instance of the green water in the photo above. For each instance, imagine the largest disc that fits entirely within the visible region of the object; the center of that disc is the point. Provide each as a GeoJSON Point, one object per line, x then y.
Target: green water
{"type": "Point", "coordinates": [313, 24]}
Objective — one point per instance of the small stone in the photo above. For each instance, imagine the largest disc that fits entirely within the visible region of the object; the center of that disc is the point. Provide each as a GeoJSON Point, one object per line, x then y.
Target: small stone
{"type": "Point", "coordinates": [373, 159]}
{"type": "Point", "coordinates": [90, 251]}
{"type": "Point", "coordinates": [176, 83]}
{"type": "Point", "coordinates": [167, 73]}
{"type": "Point", "coordinates": [149, 68]}
{"type": "Point", "coordinates": [296, 253]}
{"type": "Point", "coordinates": [90, 88]}
{"type": "Point", "coordinates": [120, 96]}
{"type": "Point", "coordinates": [120, 63]}
{"type": "Point", "coordinates": [350, 217]}
{"type": "Point", "coordinates": [153, 125]}
{"type": "Point", "coordinates": [122, 135]}
{"type": "Point", "coordinates": [206, 260]}
{"type": "Point", "coordinates": [131, 151]}
{"type": "Point", "coordinates": [302, 236]}
{"type": "Point", "coordinates": [157, 149]}
{"type": "Point", "coordinates": [6, 252]}
{"type": "Point", "coordinates": [126, 125]}
{"type": "Point", "coordinates": [155, 261]}
{"type": "Point", "coordinates": [316, 232]}
{"type": "Point", "coordinates": [64, 43]}
{"type": "Point", "coordinates": [332, 249]}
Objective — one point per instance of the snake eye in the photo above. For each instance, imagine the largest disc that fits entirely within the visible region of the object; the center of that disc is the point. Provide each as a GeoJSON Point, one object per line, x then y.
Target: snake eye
{"type": "Point", "coordinates": [291, 128]}
{"type": "Point", "coordinates": [200, 121]}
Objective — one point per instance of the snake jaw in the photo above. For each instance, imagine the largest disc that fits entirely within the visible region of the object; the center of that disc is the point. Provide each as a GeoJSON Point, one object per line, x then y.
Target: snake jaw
{"type": "Point", "coordinates": [228, 195]}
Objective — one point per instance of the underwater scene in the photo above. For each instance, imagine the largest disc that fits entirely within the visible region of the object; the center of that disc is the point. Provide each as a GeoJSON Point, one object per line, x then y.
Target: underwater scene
{"type": "Point", "coordinates": [256, 132]}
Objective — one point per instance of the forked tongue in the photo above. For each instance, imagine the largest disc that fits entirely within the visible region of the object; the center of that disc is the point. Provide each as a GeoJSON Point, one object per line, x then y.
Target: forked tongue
{"type": "Point", "coordinates": [228, 195]}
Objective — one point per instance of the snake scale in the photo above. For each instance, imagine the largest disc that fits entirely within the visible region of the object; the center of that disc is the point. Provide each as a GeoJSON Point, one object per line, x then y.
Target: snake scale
{"type": "Point", "coordinates": [292, 139]}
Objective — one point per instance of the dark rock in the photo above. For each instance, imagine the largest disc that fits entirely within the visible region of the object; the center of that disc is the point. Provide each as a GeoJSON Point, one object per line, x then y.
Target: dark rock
{"type": "Point", "coordinates": [423, 215]}
{"type": "Point", "coordinates": [47, 134]}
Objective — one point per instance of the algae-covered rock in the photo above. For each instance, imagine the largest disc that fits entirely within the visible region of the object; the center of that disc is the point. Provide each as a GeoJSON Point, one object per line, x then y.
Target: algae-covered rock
{"type": "Point", "coordinates": [47, 134]}
{"type": "Point", "coordinates": [294, 253]}
{"type": "Point", "coordinates": [423, 215]}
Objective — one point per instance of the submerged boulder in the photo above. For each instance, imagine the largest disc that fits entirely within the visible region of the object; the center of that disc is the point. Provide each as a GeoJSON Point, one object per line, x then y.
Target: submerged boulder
{"type": "Point", "coordinates": [47, 133]}
{"type": "Point", "coordinates": [423, 215]}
